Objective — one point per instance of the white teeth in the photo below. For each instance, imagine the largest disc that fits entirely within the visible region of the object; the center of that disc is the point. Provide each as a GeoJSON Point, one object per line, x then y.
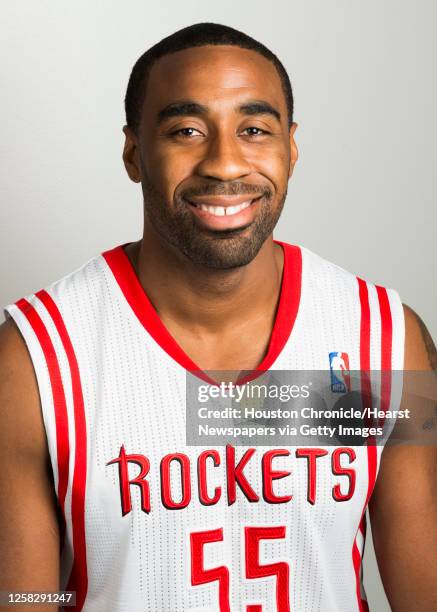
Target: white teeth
{"type": "Point", "coordinates": [217, 211]}
{"type": "Point", "coordinates": [221, 211]}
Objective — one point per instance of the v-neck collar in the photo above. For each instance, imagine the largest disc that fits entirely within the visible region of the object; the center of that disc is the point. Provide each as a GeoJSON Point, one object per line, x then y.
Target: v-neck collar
{"type": "Point", "coordinates": [129, 283]}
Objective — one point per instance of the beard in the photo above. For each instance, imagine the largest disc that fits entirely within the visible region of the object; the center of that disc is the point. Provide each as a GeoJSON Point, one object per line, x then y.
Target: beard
{"type": "Point", "coordinates": [218, 249]}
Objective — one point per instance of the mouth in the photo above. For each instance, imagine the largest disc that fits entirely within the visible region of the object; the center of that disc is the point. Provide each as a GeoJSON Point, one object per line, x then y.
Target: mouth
{"type": "Point", "coordinates": [224, 212]}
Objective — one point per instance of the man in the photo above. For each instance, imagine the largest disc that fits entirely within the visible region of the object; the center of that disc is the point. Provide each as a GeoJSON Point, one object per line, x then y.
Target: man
{"type": "Point", "coordinates": [93, 383]}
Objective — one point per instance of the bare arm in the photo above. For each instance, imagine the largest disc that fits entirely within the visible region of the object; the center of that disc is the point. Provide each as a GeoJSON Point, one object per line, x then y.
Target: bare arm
{"type": "Point", "coordinates": [29, 537]}
{"type": "Point", "coordinates": [403, 507]}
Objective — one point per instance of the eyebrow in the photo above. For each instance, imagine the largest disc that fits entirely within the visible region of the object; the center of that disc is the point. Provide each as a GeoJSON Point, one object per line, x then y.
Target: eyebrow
{"type": "Point", "coordinates": [259, 107]}
{"type": "Point", "coordinates": [188, 108]}
{"type": "Point", "coordinates": [181, 109]}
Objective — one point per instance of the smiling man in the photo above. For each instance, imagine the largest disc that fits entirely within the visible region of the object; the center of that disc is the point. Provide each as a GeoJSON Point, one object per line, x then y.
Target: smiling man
{"type": "Point", "coordinates": [218, 147]}
{"type": "Point", "coordinates": [104, 496]}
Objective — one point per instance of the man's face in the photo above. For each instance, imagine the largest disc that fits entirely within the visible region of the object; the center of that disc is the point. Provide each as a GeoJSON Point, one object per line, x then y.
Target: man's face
{"type": "Point", "coordinates": [215, 153]}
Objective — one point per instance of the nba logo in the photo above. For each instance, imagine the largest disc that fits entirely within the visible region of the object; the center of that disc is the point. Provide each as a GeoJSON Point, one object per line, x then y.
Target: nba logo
{"type": "Point", "coordinates": [340, 377]}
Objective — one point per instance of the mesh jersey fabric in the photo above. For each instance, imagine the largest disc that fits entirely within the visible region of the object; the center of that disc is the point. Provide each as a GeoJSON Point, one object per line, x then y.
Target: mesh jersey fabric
{"type": "Point", "coordinates": [112, 380]}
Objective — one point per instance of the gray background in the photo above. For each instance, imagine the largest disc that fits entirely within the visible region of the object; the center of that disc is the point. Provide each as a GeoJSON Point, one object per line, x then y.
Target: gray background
{"type": "Point", "coordinates": [365, 98]}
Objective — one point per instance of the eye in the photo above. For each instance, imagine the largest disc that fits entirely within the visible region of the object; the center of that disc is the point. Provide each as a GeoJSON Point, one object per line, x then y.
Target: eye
{"type": "Point", "coordinates": [187, 132]}
{"type": "Point", "coordinates": [254, 131]}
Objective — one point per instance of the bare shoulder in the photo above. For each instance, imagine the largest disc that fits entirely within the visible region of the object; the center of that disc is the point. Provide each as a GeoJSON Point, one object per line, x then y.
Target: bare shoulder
{"type": "Point", "coordinates": [420, 350]}
{"type": "Point", "coordinates": [29, 530]}
{"type": "Point", "coordinates": [403, 505]}
{"type": "Point", "coordinates": [22, 426]}
{"type": "Point", "coordinates": [418, 462]}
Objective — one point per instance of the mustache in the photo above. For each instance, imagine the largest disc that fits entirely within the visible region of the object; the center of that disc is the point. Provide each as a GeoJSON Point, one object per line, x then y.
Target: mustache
{"type": "Point", "coordinates": [234, 188]}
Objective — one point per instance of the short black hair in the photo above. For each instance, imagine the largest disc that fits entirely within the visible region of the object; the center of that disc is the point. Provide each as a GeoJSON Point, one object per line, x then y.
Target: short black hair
{"type": "Point", "coordinates": [197, 35]}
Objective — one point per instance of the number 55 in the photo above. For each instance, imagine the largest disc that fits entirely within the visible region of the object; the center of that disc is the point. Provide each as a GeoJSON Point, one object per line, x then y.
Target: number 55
{"type": "Point", "coordinates": [252, 538]}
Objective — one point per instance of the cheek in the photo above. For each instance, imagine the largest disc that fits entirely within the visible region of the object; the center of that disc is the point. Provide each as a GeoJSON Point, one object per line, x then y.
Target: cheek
{"type": "Point", "coordinates": [273, 163]}
{"type": "Point", "coordinates": [165, 169]}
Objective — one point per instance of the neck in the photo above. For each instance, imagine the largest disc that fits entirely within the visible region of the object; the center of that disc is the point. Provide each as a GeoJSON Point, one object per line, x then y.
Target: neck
{"type": "Point", "coordinates": [205, 298]}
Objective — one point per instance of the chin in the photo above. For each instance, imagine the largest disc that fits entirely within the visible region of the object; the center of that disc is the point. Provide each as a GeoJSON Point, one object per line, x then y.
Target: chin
{"type": "Point", "coordinates": [224, 253]}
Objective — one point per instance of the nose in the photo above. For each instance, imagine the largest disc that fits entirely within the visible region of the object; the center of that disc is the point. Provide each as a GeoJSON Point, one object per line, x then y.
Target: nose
{"type": "Point", "coordinates": [224, 159]}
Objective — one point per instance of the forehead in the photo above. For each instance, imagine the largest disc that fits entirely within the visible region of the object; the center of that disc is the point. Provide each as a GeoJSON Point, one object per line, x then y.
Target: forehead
{"type": "Point", "coordinates": [213, 75]}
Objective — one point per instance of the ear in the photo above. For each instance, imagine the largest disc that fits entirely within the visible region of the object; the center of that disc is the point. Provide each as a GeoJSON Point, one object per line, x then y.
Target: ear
{"type": "Point", "coordinates": [293, 149]}
{"type": "Point", "coordinates": [131, 155]}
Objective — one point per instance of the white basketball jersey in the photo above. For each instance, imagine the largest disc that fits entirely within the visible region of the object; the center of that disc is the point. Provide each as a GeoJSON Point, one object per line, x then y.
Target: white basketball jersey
{"type": "Point", "coordinates": [151, 524]}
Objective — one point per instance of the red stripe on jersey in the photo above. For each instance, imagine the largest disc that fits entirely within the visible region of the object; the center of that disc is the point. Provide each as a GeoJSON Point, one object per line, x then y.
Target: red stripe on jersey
{"type": "Point", "coordinates": [127, 279]}
{"type": "Point", "coordinates": [371, 450]}
{"type": "Point", "coordinates": [372, 463]}
{"type": "Point", "coordinates": [78, 580]}
{"type": "Point", "coordinates": [386, 348]}
{"type": "Point", "coordinates": [386, 328]}
{"type": "Point", "coordinates": [386, 362]}
{"type": "Point", "coordinates": [59, 403]}
{"type": "Point", "coordinates": [364, 326]}
{"type": "Point", "coordinates": [365, 343]}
